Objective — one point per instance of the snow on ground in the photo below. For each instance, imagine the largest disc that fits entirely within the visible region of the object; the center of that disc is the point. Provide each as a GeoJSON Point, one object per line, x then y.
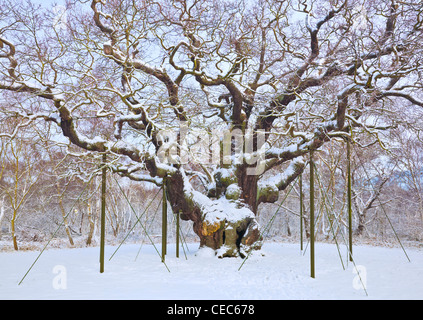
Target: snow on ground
{"type": "Point", "coordinates": [281, 273]}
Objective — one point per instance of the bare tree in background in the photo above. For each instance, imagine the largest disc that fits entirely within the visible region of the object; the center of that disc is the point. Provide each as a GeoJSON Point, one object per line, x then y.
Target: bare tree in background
{"type": "Point", "coordinates": [25, 168]}
{"type": "Point", "coordinates": [157, 84]}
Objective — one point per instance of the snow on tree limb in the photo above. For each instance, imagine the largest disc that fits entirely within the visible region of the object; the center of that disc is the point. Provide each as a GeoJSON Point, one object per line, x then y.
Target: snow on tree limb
{"type": "Point", "coordinates": [279, 87]}
{"type": "Point", "coordinates": [269, 188]}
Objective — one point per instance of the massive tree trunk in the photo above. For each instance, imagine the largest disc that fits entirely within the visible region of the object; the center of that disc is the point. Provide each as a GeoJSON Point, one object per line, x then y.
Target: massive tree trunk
{"type": "Point", "coordinates": [224, 223]}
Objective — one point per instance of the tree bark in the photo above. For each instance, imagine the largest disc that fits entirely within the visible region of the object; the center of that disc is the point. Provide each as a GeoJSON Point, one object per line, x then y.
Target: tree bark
{"type": "Point", "coordinates": [64, 215]}
{"type": "Point", "coordinates": [228, 226]}
{"type": "Point", "coordinates": [13, 231]}
{"type": "Point", "coordinates": [248, 185]}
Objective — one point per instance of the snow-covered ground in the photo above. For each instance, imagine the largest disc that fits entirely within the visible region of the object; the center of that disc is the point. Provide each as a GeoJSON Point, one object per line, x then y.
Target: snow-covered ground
{"type": "Point", "coordinates": [282, 272]}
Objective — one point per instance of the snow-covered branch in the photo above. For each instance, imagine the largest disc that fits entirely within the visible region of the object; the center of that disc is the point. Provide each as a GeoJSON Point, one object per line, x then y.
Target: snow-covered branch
{"type": "Point", "coordinates": [395, 93]}
{"type": "Point", "coordinates": [135, 173]}
{"type": "Point", "coordinates": [268, 190]}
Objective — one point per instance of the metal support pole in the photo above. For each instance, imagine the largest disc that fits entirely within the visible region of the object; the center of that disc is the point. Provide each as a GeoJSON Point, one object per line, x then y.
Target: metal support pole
{"type": "Point", "coordinates": [164, 223]}
{"type": "Point", "coordinates": [301, 212]}
{"type": "Point", "coordinates": [177, 234]}
{"type": "Point", "coordinates": [103, 213]}
{"type": "Point", "coordinates": [312, 266]}
{"type": "Point", "coordinates": [349, 186]}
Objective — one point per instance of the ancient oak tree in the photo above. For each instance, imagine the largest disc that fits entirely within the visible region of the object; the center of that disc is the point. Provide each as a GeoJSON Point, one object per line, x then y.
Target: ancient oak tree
{"type": "Point", "coordinates": [220, 101]}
